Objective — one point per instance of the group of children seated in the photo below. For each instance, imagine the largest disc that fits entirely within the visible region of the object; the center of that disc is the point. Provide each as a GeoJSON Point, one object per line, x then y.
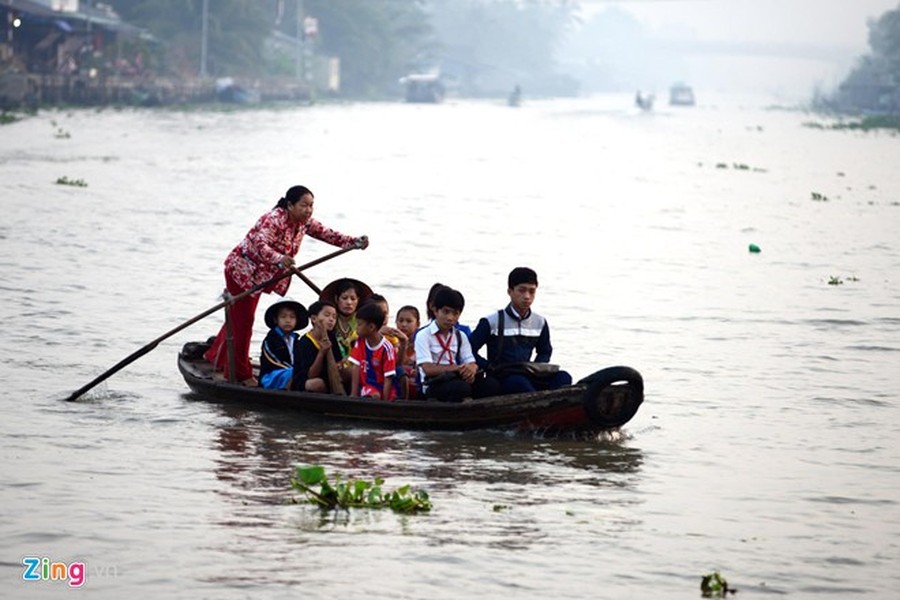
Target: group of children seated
{"type": "Point", "coordinates": [350, 349]}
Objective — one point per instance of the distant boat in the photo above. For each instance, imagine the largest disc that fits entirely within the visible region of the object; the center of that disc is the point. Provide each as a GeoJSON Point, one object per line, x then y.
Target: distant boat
{"type": "Point", "coordinates": [681, 95]}
{"type": "Point", "coordinates": [229, 91]}
{"type": "Point", "coordinates": [515, 97]}
{"type": "Point", "coordinates": [643, 102]}
{"type": "Point", "coordinates": [423, 87]}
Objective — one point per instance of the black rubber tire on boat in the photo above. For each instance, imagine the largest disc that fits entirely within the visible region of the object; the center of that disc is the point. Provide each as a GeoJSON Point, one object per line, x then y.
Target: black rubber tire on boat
{"type": "Point", "coordinates": [593, 397]}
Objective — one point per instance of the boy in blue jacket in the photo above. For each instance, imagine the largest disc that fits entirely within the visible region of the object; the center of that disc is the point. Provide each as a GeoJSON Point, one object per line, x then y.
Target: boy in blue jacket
{"type": "Point", "coordinates": [276, 360]}
{"type": "Point", "coordinates": [515, 334]}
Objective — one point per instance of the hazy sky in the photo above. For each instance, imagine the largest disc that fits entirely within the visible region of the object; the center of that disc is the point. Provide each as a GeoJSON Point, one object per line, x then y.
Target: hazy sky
{"type": "Point", "coordinates": [818, 22]}
{"type": "Point", "coordinates": [788, 48]}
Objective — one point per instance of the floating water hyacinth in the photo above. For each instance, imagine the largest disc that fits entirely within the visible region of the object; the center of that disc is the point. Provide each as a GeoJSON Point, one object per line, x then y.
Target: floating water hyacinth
{"type": "Point", "coordinates": [64, 180]}
{"type": "Point", "coordinates": [715, 586]}
{"type": "Point", "coordinates": [357, 493]}
{"type": "Point", "coordinates": [6, 118]}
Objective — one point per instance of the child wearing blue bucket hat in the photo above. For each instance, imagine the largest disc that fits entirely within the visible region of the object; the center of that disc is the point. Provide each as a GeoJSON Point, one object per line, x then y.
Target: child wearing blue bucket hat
{"type": "Point", "coordinates": [276, 361]}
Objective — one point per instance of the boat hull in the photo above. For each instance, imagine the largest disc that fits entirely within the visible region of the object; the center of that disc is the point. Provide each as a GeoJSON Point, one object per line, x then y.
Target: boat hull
{"type": "Point", "coordinates": [602, 402]}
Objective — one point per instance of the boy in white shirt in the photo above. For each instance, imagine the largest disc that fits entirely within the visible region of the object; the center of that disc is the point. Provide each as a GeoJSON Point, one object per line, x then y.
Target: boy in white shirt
{"type": "Point", "coordinates": [444, 357]}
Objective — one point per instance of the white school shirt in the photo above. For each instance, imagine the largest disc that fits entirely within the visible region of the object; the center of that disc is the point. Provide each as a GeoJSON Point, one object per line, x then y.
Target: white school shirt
{"type": "Point", "coordinates": [429, 349]}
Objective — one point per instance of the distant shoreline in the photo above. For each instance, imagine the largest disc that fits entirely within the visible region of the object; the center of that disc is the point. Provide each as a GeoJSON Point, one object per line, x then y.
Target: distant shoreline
{"type": "Point", "coordinates": [32, 91]}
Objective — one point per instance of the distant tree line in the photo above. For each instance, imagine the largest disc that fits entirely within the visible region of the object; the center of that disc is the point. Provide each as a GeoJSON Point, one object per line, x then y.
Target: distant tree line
{"type": "Point", "coordinates": [874, 84]}
{"type": "Point", "coordinates": [487, 44]}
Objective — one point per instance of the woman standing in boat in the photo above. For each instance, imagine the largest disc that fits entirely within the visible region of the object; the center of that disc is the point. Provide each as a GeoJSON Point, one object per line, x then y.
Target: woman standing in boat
{"type": "Point", "coordinates": [266, 251]}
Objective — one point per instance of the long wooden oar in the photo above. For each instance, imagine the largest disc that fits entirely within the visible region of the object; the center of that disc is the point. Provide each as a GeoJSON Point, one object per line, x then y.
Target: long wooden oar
{"type": "Point", "coordinates": [139, 353]}
{"type": "Point", "coordinates": [307, 281]}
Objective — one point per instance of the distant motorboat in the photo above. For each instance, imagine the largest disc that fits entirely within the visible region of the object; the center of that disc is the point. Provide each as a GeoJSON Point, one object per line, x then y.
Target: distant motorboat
{"type": "Point", "coordinates": [515, 97]}
{"type": "Point", "coordinates": [681, 95]}
{"type": "Point", "coordinates": [423, 87]}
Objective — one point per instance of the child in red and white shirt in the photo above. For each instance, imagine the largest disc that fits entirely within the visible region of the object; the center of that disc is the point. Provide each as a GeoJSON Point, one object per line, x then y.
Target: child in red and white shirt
{"type": "Point", "coordinates": [373, 359]}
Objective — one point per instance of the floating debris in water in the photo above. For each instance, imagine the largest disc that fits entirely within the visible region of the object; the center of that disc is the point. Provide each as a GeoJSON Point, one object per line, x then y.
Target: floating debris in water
{"type": "Point", "coordinates": [754, 249]}
{"type": "Point", "coordinates": [715, 586]}
{"type": "Point", "coordinates": [837, 280]}
{"type": "Point", "coordinates": [737, 167]}
{"type": "Point", "coordinates": [64, 180]}
{"type": "Point", "coordinates": [817, 197]}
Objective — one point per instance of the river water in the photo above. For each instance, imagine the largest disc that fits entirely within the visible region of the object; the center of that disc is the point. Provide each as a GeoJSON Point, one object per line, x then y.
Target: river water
{"type": "Point", "coordinates": [766, 448]}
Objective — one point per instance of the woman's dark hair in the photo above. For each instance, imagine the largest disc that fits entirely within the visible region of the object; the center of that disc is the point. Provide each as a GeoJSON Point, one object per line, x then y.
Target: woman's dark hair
{"type": "Point", "coordinates": [317, 306]}
{"type": "Point", "coordinates": [412, 309]}
{"type": "Point", "coordinates": [370, 312]}
{"type": "Point", "coordinates": [343, 286]}
{"type": "Point", "coordinates": [447, 296]}
{"type": "Point", "coordinates": [293, 195]}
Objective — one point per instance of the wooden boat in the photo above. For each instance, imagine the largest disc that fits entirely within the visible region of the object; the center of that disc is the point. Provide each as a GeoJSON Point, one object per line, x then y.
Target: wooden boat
{"type": "Point", "coordinates": [600, 402]}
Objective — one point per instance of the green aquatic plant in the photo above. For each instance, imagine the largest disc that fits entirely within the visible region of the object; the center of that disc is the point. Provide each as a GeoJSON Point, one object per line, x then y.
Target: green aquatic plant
{"type": "Point", "coordinates": [835, 280]}
{"type": "Point", "coordinates": [60, 133]}
{"type": "Point", "coordinates": [715, 586]}
{"type": "Point", "coordinates": [738, 167]}
{"type": "Point", "coordinates": [867, 123]}
{"type": "Point", "coordinates": [356, 493]}
{"type": "Point", "coordinates": [64, 180]}
{"type": "Point", "coordinates": [880, 122]}
{"type": "Point", "coordinates": [6, 118]}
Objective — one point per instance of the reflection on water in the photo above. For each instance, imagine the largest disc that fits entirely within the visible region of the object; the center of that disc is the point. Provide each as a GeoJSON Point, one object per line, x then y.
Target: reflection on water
{"type": "Point", "coordinates": [490, 490]}
{"type": "Point", "coordinates": [259, 449]}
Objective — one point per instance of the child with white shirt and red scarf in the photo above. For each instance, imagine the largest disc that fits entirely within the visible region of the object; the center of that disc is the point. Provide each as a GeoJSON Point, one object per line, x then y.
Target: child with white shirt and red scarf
{"type": "Point", "coordinates": [444, 357]}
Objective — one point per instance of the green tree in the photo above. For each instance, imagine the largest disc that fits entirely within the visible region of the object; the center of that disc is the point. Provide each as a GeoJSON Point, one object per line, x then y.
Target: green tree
{"type": "Point", "coordinates": [874, 84]}
{"type": "Point", "coordinates": [884, 39]}
{"type": "Point", "coordinates": [375, 40]}
{"type": "Point", "coordinates": [236, 30]}
{"type": "Point", "coordinates": [490, 44]}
